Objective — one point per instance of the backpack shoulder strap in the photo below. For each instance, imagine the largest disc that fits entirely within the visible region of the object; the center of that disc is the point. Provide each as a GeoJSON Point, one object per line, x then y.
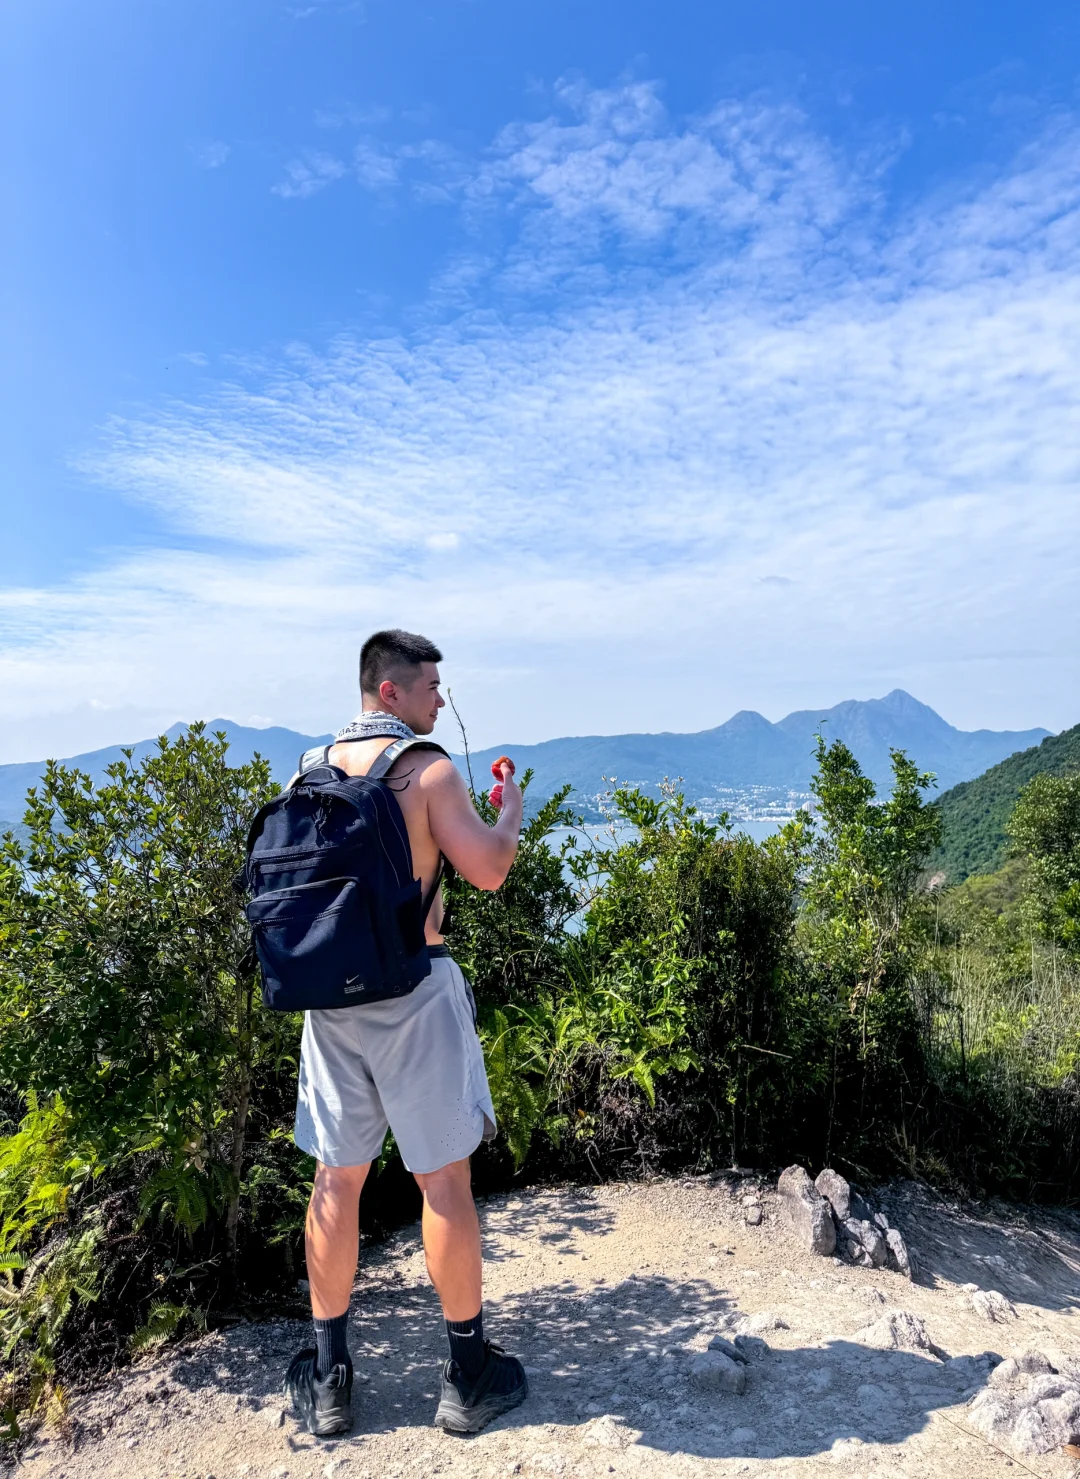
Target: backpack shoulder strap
{"type": "Point", "coordinates": [318, 755]}
{"type": "Point", "coordinates": [380, 767]}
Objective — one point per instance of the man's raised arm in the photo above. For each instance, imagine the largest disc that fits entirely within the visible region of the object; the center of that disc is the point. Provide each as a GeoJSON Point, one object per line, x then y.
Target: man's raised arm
{"type": "Point", "coordinates": [483, 855]}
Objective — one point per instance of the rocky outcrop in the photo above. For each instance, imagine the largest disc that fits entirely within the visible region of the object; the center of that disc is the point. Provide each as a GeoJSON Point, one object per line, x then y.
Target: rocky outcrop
{"type": "Point", "coordinates": [807, 1211]}
{"type": "Point", "coordinates": [1028, 1406]}
{"type": "Point", "coordinates": [830, 1216]}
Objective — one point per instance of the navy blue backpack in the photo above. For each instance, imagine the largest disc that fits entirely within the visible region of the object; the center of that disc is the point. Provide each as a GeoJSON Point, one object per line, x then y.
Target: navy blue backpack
{"type": "Point", "coordinates": [336, 915]}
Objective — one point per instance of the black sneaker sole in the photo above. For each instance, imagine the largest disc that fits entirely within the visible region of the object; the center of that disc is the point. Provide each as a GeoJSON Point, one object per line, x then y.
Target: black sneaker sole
{"type": "Point", "coordinates": [326, 1424]}
{"type": "Point", "coordinates": [454, 1417]}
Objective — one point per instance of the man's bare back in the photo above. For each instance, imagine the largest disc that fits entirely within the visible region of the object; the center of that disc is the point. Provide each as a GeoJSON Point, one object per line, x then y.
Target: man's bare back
{"type": "Point", "coordinates": [407, 776]}
{"type": "Point", "coordinates": [435, 801]}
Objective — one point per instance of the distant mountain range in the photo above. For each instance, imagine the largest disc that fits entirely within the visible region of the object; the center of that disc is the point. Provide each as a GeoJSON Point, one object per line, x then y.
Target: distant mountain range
{"type": "Point", "coordinates": [746, 752]}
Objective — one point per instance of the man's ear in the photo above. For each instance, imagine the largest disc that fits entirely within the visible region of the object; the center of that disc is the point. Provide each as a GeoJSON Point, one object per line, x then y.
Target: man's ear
{"type": "Point", "coordinates": [387, 692]}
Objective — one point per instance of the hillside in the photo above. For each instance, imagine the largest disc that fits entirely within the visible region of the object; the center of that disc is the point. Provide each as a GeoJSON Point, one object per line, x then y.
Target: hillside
{"type": "Point", "coordinates": [975, 812]}
{"type": "Point", "coordinates": [745, 752]}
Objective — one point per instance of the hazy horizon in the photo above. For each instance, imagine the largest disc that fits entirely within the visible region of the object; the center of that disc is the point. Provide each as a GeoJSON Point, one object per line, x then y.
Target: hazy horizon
{"type": "Point", "coordinates": [448, 732]}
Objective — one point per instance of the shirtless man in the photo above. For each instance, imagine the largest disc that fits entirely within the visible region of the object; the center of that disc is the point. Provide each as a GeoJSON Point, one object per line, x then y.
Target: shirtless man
{"type": "Point", "coordinates": [413, 1063]}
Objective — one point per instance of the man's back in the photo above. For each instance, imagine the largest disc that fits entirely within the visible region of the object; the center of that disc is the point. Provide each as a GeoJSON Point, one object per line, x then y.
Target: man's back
{"type": "Point", "coordinates": [407, 779]}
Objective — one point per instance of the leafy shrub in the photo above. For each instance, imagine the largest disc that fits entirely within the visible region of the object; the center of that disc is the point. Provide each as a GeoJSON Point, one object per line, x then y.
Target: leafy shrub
{"type": "Point", "coordinates": [131, 1031]}
{"type": "Point", "coordinates": [672, 995]}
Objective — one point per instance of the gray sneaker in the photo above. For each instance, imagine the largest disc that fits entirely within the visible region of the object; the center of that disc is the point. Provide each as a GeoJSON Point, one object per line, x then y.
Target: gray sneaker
{"type": "Point", "coordinates": [325, 1407]}
{"type": "Point", "coordinates": [466, 1407]}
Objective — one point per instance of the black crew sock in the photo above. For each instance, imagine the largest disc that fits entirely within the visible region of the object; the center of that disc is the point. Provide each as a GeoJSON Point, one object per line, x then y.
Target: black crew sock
{"type": "Point", "coordinates": [331, 1337]}
{"type": "Point", "coordinates": [466, 1339]}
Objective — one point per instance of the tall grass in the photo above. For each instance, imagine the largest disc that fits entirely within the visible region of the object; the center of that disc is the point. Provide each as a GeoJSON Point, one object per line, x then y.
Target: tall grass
{"type": "Point", "coordinates": [1001, 1028]}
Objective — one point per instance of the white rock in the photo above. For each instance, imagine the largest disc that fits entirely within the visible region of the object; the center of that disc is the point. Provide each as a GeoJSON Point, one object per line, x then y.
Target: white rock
{"type": "Point", "coordinates": [992, 1414]}
{"type": "Point", "coordinates": [1061, 1417]}
{"type": "Point", "coordinates": [844, 1449]}
{"type": "Point", "coordinates": [993, 1306]}
{"type": "Point", "coordinates": [1005, 1374]}
{"type": "Point", "coordinates": [1046, 1388]}
{"type": "Point", "coordinates": [713, 1371]}
{"type": "Point", "coordinates": [1029, 1433]}
{"type": "Point", "coordinates": [898, 1331]}
{"type": "Point", "coordinates": [1028, 1407]}
{"type": "Point", "coordinates": [606, 1432]}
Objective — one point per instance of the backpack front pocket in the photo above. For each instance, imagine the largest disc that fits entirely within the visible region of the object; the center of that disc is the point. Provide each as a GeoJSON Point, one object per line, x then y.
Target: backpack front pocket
{"type": "Point", "coordinates": [315, 945]}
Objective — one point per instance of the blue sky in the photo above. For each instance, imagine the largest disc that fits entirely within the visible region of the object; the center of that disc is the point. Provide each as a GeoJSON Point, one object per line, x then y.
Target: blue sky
{"type": "Point", "coordinates": [657, 360]}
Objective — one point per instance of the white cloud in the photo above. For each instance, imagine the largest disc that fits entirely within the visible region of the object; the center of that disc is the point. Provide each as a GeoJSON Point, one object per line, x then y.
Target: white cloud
{"type": "Point", "coordinates": [760, 448]}
{"type": "Point", "coordinates": [212, 155]}
{"type": "Point", "coordinates": [310, 174]}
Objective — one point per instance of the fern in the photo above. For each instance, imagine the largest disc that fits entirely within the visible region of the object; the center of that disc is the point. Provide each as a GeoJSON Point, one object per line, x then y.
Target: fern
{"type": "Point", "coordinates": [164, 1319]}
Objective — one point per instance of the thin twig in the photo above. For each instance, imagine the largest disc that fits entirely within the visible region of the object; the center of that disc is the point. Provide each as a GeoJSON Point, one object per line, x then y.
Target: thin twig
{"type": "Point", "coordinates": [464, 739]}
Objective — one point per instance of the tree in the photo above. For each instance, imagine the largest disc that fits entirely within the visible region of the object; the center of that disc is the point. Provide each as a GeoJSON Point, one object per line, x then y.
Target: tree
{"type": "Point", "coordinates": [863, 928]}
{"type": "Point", "coordinates": [121, 990]}
{"type": "Point", "coordinates": [861, 891]}
{"type": "Point", "coordinates": [1045, 829]}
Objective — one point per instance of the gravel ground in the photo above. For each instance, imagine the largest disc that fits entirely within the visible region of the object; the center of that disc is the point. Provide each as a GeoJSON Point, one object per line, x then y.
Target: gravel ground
{"type": "Point", "coordinates": [608, 1294]}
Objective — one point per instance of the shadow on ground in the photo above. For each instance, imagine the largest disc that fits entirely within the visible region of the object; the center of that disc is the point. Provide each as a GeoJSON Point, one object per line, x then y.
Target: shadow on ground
{"type": "Point", "coordinates": [621, 1352]}
{"type": "Point", "coordinates": [1004, 1249]}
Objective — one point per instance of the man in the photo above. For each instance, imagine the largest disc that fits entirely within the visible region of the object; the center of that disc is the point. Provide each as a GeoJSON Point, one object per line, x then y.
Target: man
{"type": "Point", "coordinates": [413, 1063]}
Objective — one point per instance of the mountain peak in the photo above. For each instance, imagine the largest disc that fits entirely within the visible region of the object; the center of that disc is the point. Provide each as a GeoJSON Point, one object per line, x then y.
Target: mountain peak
{"type": "Point", "coordinates": [901, 702]}
{"type": "Point", "coordinates": [746, 720]}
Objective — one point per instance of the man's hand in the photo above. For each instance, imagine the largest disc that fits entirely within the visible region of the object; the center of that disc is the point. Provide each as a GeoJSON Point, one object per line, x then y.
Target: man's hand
{"type": "Point", "coordinates": [482, 854]}
{"type": "Point", "coordinates": [503, 771]}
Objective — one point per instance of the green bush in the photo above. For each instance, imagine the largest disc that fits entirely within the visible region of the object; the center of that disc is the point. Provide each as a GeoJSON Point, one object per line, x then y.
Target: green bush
{"type": "Point", "coordinates": [131, 1033]}
{"type": "Point", "coordinates": [670, 995]}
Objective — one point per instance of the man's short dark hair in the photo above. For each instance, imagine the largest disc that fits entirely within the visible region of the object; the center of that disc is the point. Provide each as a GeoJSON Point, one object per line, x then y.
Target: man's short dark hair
{"type": "Point", "coordinates": [389, 655]}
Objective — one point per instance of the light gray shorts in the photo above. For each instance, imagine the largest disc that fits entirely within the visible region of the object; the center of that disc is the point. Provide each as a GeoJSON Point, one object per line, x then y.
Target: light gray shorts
{"type": "Point", "coordinates": [413, 1064]}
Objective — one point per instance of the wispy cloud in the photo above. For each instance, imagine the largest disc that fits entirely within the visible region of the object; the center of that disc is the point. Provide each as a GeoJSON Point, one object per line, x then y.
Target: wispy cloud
{"type": "Point", "coordinates": [212, 155]}
{"type": "Point", "coordinates": [731, 364]}
{"type": "Point", "coordinates": [310, 174]}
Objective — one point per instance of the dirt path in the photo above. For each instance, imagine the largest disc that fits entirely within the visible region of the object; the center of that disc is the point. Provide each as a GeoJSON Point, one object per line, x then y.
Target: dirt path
{"type": "Point", "coordinates": [607, 1294]}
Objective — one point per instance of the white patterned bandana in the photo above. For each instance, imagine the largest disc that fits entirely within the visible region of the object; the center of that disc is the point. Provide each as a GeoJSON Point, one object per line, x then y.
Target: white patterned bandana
{"type": "Point", "coordinates": [373, 724]}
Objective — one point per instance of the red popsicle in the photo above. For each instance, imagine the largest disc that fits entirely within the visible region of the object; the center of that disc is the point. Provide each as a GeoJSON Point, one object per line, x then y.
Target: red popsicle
{"type": "Point", "coordinates": [495, 794]}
